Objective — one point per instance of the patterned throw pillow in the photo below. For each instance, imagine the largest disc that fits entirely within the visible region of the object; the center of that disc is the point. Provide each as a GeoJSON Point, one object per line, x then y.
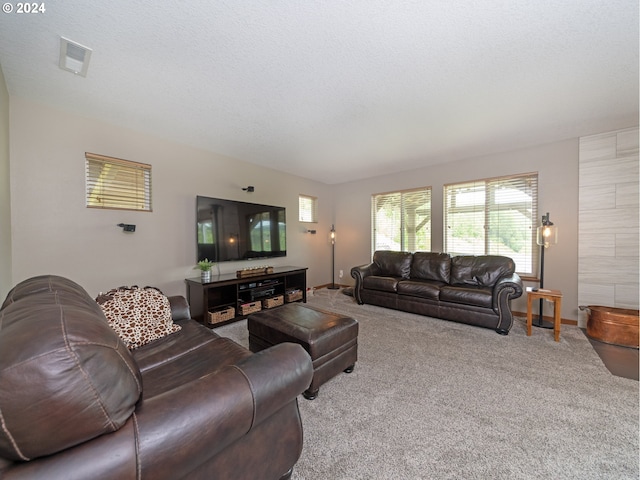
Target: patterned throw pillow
{"type": "Point", "coordinates": [138, 315]}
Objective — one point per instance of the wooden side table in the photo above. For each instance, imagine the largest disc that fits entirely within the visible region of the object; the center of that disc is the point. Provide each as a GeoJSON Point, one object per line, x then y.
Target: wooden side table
{"type": "Point", "coordinates": [554, 296]}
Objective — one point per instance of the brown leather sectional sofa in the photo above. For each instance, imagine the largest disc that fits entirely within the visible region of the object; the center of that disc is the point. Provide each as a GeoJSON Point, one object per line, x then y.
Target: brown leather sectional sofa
{"type": "Point", "coordinates": [470, 289]}
{"type": "Point", "coordinates": [75, 403]}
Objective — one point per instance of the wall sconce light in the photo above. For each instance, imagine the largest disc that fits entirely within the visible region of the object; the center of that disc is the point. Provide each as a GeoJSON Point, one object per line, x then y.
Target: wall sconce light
{"type": "Point", "coordinates": [127, 227]}
{"type": "Point", "coordinates": [249, 189]}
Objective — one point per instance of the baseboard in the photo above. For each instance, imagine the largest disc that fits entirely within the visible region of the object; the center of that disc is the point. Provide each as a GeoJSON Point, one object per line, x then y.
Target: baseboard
{"type": "Point", "coordinates": [327, 285]}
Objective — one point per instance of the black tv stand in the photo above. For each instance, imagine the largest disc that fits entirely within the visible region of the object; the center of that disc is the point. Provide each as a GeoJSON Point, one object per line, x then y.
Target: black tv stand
{"type": "Point", "coordinates": [228, 291]}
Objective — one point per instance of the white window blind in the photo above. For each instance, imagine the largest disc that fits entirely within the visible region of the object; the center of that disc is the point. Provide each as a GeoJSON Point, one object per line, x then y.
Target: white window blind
{"type": "Point", "coordinates": [401, 221]}
{"type": "Point", "coordinates": [494, 216]}
{"type": "Point", "coordinates": [117, 184]}
{"type": "Point", "coordinates": [308, 209]}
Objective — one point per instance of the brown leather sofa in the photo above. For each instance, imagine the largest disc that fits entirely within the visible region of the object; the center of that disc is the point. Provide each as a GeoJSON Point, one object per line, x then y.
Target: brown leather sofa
{"type": "Point", "coordinates": [469, 289]}
{"type": "Point", "coordinates": [75, 403]}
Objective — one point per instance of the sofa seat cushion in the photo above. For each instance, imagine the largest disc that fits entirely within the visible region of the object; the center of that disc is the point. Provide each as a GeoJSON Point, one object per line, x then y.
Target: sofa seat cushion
{"type": "Point", "coordinates": [191, 336]}
{"type": "Point", "coordinates": [478, 296]}
{"type": "Point", "coordinates": [431, 266]}
{"type": "Point", "coordinates": [420, 288]}
{"type": "Point", "coordinates": [381, 283]}
{"type": "Point", "coordinates": [481, 270]}
{"type": "Point", "coordinates": [65, 375]}
{"type": "Point", "coordinates": [205, 359]}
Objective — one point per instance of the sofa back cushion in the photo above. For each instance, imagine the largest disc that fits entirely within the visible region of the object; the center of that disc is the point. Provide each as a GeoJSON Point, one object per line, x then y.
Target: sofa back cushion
{"type": "Point", "coordinates": [481, 270]}
{"type": "Point", "coordinates": [65, 375]}
{"type": "Point", "coordinates": [395, 264]}
{"type": "Point", "coordinates": [47, 284]}
{"type": "Point", "coordinates": [431, 266]}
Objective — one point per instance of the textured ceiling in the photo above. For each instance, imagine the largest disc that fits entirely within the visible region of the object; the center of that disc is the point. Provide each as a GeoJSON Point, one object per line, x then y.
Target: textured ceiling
{"type": "Point", "coordinates": [338, 90]}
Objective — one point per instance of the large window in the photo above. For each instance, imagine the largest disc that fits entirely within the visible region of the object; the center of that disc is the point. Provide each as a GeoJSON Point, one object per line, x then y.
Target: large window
{"type": "Point", "coordinates": [401, 221]}
{"type": "Point", "coordinates": [118, 184]}
{"type": "Point", "coordinates": [494, 216]}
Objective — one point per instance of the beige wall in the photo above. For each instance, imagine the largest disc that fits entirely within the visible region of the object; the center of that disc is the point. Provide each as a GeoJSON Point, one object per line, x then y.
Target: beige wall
{"type": "Point", "coordinates": [5, 204]}
{"type": "Point", "coordinates": [53, 232]}
{"type": "Point", "coordinates": [557, 167]}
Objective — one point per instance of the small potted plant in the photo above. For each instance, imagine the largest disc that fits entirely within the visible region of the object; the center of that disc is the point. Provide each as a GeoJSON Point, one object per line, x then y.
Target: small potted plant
{"type": "Point", "coordinates": [205, 269]}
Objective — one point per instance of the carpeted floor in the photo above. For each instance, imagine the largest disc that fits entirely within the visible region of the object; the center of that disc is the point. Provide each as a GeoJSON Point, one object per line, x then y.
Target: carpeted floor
{"type": "Point", "coordinates": [431, 399]}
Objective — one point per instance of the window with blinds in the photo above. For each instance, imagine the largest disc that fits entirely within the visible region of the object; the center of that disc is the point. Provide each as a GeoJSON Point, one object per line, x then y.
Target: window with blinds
{"type": "Point", "coordinates": [494, 216]}
{"type": "Point", "coordinates": [401, 221]}
{"type": "Point", "coordinates": [308, 209]}
{"type": "Point", "coordinates": [117, 184]}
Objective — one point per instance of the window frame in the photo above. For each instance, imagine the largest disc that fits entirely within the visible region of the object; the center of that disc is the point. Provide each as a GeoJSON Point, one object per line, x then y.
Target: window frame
{"type": "Point", "coordinates": [128, 186]}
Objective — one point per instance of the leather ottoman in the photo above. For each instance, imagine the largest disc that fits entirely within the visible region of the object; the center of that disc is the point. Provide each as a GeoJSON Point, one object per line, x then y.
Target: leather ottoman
{"type": "Point", "coordinates": [330, 339]}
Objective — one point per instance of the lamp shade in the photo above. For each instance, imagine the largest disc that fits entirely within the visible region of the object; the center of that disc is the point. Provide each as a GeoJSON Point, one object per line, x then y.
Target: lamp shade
{"type": "Point", "coordinates": [547, 232]}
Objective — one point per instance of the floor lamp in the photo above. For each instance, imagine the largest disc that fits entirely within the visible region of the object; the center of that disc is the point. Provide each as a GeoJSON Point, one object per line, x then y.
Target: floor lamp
{"type": "Point", "coordinates": [332, 238]}
{"type": "Point", "coordinates": [546, 234]}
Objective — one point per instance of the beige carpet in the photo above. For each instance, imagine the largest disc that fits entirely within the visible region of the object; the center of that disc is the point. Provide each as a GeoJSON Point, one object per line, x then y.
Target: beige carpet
{"type": "Point", "coordinates": [431, 399]}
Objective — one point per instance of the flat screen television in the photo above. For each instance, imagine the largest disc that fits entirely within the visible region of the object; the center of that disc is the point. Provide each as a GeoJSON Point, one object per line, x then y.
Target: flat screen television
{"type": "Point", "coordinates": [228, 230]}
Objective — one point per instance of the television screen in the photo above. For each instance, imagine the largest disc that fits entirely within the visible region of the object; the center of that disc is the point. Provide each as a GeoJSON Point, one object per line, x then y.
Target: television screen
{"type": "Point", "coordinates": [228, 230]}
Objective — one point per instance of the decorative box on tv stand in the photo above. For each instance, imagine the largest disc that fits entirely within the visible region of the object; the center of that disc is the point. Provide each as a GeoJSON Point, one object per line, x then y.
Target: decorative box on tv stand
{"type": "Point", "coordinates": [253, 271]}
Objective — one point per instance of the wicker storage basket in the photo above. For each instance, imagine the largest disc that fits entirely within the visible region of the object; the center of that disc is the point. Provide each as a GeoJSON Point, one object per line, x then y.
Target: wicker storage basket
{"type": "Point", "coordinates": [273, 301]}
{"type": "Point", "coordinates": [221, 315]}
{"type": "Point", "coordinates": [293, 295]}
{"type": "Point", "coordinates": [247, 308]}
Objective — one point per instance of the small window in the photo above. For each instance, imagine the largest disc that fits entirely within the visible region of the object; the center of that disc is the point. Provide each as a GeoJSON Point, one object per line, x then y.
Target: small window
{"type": "Point", "coordinates": [308, 208]}
{"type": "Point", "coordinates": [117, 184]}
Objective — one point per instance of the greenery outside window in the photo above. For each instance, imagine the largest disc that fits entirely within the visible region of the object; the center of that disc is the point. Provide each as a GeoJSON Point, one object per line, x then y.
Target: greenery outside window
{"type": "Point", "coordinates": [401, 221]}
{"type": "Point", "coordinates": [308, 208]}
{"type": "Point", "coordinates": [494, 216]}
{"type": "Point", "coordinates": [117, 184]}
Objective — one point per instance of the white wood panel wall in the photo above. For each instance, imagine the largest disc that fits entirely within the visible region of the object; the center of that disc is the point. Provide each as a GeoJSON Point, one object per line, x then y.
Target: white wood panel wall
{"type": "Point", "coordinates": [608, 226]}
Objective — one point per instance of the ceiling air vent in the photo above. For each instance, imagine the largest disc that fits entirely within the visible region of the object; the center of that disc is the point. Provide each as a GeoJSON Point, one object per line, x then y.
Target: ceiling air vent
{"type": "Point", "coordinates": [74, 57]}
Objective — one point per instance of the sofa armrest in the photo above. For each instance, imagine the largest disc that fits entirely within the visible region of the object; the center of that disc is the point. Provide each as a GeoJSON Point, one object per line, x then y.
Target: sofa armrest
{"type": "Point", "coordinates": [216, 410]}
{"type": "Point", "coordinates": [359, 273]}
{"type": "Point", "coordinates": [513, 282]}
{"type": "Point", "coordinates": [506, 289]}
{"type": "Point", "coordinates": [179, 308]}
{"type": "Point", "coordinates": [175, 432]}
{"type": "Point", "coordinates": [276, 375]}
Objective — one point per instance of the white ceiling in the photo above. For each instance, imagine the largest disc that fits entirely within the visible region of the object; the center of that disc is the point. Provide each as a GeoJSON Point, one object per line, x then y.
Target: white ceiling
{"type": "Point", "coordinates": [338, 90]}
